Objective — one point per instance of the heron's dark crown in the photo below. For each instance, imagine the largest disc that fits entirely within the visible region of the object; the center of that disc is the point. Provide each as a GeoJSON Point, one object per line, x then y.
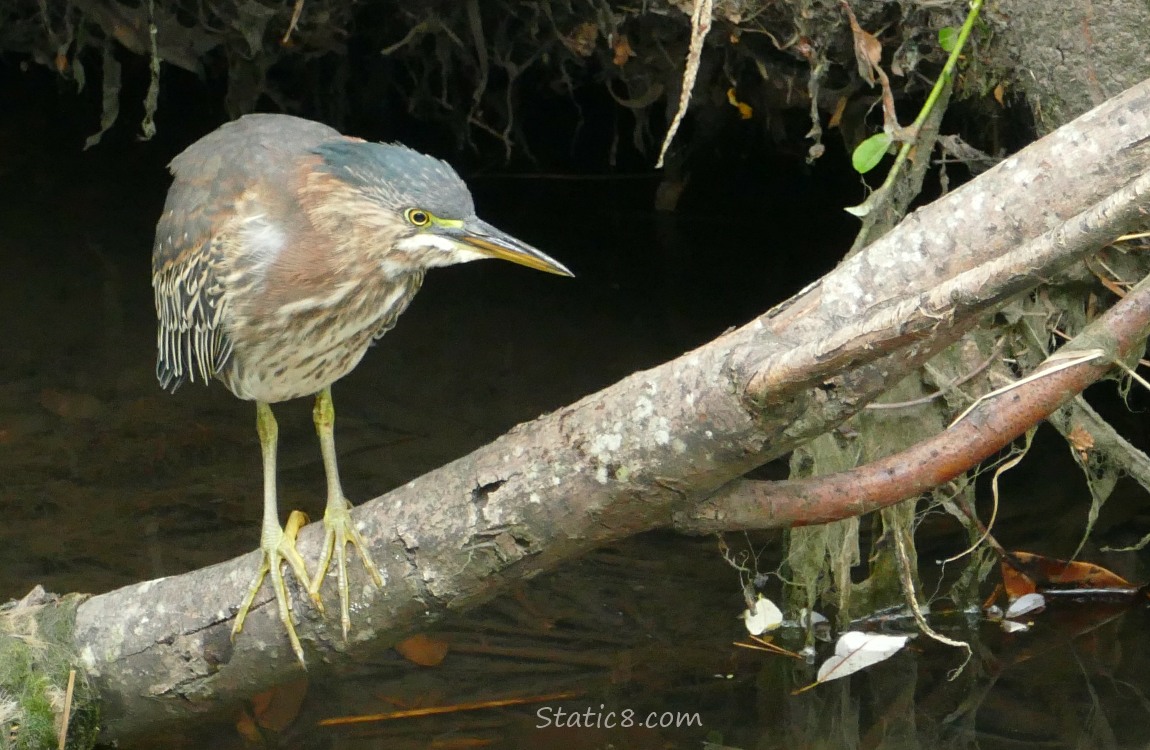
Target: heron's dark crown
{"type": "Point", "coordinates": [398, 177]}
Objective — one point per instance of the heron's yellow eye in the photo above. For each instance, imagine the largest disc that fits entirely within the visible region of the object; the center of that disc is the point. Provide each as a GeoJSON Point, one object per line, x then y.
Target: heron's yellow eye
{"type": "Point", "coordinates": [418, 217]}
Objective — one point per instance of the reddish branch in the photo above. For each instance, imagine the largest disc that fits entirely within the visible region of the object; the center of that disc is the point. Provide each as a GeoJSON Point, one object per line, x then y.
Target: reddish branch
{"type": "Point", "coordinates": [989, 427]}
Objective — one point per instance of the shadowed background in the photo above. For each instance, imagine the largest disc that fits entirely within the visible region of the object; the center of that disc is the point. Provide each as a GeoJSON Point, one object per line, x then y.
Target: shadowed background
{"type": "Point", "coordinates": [106, 480]}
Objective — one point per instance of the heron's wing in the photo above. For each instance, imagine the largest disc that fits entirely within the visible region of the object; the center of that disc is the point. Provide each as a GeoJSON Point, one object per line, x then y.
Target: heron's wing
{"type": "Point", "coordinates": [199, 225]}
{"type": "Point", "coordinates": [191, 342]}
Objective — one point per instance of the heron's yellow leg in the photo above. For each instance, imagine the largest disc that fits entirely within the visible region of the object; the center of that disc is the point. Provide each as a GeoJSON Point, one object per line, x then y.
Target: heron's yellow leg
{"type": "Point", "coordinates": [339, 528]}
{"type": "Point", "coordinates": [277, 544]}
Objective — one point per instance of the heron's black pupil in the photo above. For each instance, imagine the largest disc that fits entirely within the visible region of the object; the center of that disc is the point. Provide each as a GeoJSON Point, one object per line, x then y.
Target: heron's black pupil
{"type": "Point", "coordinates": [418, 217]}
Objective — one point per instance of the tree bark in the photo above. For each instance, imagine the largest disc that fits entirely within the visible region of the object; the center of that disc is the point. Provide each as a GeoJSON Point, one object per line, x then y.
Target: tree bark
{"type": "Point", "coordinates": [647, 451]}
{"type": "Point", "coordinates": [1071, 55]}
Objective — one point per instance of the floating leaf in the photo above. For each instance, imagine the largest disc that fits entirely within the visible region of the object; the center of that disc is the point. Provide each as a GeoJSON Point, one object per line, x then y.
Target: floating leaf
{"type": "Point", "coordinates": [1015, 583]}
{"type": "Point", "coordinates": [857, 650]}
{"type": "Point", "coordinates": [762, 616]}
{"type": "Point", "coordinates": [947, 38]}
{"type": "Point", "coordinates": [1025, 604]}
{"type": "Point", "coordinates": [72, 404]}
{"type": "Point", "coordinates": [1050, 572]}
{"type": "Point", "coordinates": [272, 710]}
{"type": "Point", "coordinates": [870, 152]}
{"type": "Point", "coordinates": [422, 650]}
{"type": "Point", "coordinates": [810, 618]}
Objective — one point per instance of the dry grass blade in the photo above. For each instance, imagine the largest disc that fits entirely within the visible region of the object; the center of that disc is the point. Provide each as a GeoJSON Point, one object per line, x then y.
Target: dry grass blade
{"type": "Point", "coordinates": [296, 12]}
{"type": "Point", "coordinates": [1002, 469]}
{"type": "Point", "coordinates": [700, 25]}
{"type": "Point", "coordinates": [1054, 363]}
{"type": "Point", "coordinates": [437, 710]}
{"type": "Point", "coordinates": [763, 645]}
{"type": "Point", "coordinates": [67, 709]}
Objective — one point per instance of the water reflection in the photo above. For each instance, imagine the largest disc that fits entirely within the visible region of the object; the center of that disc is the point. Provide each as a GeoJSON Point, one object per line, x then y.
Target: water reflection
{"type": "Point", "coordinates": [106, 481]}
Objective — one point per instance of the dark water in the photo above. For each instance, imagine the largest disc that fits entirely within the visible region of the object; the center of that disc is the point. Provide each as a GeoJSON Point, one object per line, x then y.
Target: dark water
{"type": "Point", "coordinates": [105, 480]}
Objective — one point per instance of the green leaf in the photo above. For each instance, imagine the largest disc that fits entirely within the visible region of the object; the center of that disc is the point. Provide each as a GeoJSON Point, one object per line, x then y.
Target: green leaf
{"type": "Point", "coordinates": [869, 153]}
{"type": "Point", "coordinates": [947, 38]}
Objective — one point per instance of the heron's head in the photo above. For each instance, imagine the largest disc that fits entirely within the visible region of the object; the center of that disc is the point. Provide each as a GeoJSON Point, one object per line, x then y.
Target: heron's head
{"type": "Point", "coordinates": [421, 206]}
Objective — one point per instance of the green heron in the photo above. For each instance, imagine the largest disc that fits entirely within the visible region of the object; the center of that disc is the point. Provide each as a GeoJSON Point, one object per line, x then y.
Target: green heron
{"type": "Point", "coordinates": [284, 250]}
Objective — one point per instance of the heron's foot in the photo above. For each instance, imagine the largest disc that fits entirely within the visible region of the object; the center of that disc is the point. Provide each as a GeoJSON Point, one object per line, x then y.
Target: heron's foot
{"type": "Point", "coordinates": [339, 531]}
{"type": "Point", "coordinates": [277, 549]}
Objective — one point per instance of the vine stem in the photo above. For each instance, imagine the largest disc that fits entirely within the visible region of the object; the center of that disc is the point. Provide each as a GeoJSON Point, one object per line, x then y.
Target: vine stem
{"type": "Point", "coordinates": [944, 79]}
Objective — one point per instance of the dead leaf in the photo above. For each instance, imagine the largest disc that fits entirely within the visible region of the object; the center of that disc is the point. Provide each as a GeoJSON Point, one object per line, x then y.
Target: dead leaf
{"type": "Point", "coordinates": [745, 111]}
{"type": "Point", "coordinates": [246, 727]}
{"type": "Point", "coordinates": [1081, 441]}
{"type": "Point", "coordinates": [623, 51]}
{"type": "Point", "coordinates": [422, 650]}
{"type": "Point", "coordinates": [837, 115]}
{"type": "Point", "coordinates": [868, 49]}
{"type": "Point", "coordinates": [1016, 584]}
{"type": "Point", "coordinates": [763, 615]}
{"type": "Point", "coordinates": [1050, 572]}
{"type": "Point", "coordinates": [857, 650]}
{"type": "Point", "coordinates": [72, 404]}
{"type": "Point", "coordinates": [805, 49]}
{"type": "Point", "coordinates": [1024, 605]}
{"type": "Point", "coordinates": [581, 41]}
{"type": "Point", "coordinates": [272, 710]}
{"type": "Point", "coordinates": [1000, 94]}
{"type": "Point", "coordinates": [868, 55]}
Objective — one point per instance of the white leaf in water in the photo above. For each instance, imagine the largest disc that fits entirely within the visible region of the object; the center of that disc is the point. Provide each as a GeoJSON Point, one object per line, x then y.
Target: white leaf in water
{"type": "Point", "coordinates": [1014, 627]}
{"type": "Point", "coordinates": [1026, 604]}
{"type": "Point", "coordinates": [810, 617]}
{"type": "Point", "coordinates": [762, 616]}
{"type": "Point", "coordinates": [856, 650]}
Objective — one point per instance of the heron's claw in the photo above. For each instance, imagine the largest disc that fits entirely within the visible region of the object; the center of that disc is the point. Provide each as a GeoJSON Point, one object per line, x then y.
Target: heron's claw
{"type": "Point", "coordinates": [339, 531]}
{"type": "Point", "coordinates": [278, 549]}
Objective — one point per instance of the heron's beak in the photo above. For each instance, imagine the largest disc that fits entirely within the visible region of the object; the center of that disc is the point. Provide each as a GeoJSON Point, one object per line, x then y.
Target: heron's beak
{"type": "Point", "coordinates": [480, 236]}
